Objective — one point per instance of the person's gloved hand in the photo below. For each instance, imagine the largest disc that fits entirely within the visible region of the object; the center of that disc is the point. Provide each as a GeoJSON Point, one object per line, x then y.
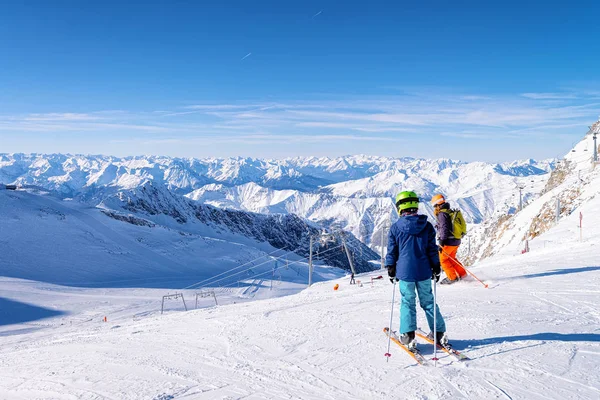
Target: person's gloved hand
{"type": "Point", "coordinates": [435, 273]}
{"type": "Point", "coordinates": [391, 272]}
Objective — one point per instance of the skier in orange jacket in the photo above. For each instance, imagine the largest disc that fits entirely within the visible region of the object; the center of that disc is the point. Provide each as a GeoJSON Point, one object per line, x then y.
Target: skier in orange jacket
{"type": "Point", "coordinates": [447, 242]}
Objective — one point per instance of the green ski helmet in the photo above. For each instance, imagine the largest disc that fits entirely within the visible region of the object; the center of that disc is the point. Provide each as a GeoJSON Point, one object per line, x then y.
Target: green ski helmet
{"type": "Point", "coordinates": [407, 200]}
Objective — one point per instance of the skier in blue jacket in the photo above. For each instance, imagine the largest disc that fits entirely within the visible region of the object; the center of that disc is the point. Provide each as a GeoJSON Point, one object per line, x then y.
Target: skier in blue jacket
{"type": "Point", "coordinates": [413, 260]}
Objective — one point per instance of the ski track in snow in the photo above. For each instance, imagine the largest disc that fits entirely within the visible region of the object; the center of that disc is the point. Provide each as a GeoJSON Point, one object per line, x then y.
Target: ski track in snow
{"type": "Point", "coordinates": [499, 389]}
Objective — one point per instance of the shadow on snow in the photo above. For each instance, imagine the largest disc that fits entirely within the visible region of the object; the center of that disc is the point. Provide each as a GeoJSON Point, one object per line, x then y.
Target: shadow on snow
{"type": "Point", "coordinates": [547, 336]}
{"type": "Point", "coordinates": [539, 339]}
{"type": "Point", "coordinates": [563, 271]}
{"type": "Point", "coordinates": [15, 312]}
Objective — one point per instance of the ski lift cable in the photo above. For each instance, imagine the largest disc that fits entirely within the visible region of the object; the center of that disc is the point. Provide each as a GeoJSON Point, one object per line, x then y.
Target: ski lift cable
{"type": "Point", "coordinates": [258, 265]}
{"type": "Point", "coordinates": [240, 272]}
{"type": "Point", "coordinates": [212, 282]}
{"type": "Point", "coordinates": [235, 268]}
{"type": "Point", "coordinates": [239, 266]}
{"type": "Point", "coordinates": [253, 277]}
{"type": "Point", "coordinates": [306, 258]}
{"type": "Point", "coordinates": [270, 271]}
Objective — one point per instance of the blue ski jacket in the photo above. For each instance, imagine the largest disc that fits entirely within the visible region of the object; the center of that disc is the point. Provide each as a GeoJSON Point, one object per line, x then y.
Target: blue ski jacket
{"type": "Point", "coordinates": [412, 248]}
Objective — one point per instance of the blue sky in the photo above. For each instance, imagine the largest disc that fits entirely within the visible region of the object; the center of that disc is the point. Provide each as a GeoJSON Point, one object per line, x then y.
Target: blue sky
{"type": "Point", "coordinates": [470, 80]}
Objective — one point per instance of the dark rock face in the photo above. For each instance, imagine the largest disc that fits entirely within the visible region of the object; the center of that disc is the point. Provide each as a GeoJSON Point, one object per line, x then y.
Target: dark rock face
{"type": "Point", "coordinates": [284, 231]}
{"type": "Point", "coordinates": [130, 219]}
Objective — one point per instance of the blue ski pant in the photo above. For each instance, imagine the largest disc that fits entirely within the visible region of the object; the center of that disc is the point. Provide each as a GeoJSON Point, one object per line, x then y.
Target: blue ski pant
{"type": "Point", "coordinates": [408, 306]}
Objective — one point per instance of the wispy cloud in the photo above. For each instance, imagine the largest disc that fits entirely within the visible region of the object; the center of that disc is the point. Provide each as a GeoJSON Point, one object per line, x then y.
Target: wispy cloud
{"type": "Point", "coordinates": [475, 98]}
{"type": "Point", "coordinates": [258, 139]}
{"type": "Point", "coordinates": [325, 119]}
{"type": "Point", "coordinates": [220, 106]}
{"type": "Point", "coordinates": [100, 121]}
{"type": "Point", "coordinates": [478, 135]}
{"type": "Point", "coordinates": [61, 117]}
{"type": "Point", "coordinates": [549, 96]}
{"type": "Point", "coordinates": [176, 114]}
{"type": "Point", "coordinates": [317, 14]}
{"type": "Point", "coordinates": [246, 56]}
{"type": "Point", "coordinates": [299, 138]}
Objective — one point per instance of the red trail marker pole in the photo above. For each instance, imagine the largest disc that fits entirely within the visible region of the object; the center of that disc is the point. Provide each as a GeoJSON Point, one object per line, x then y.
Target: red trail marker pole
{"type": "Point", "coordinates": [580, 226]}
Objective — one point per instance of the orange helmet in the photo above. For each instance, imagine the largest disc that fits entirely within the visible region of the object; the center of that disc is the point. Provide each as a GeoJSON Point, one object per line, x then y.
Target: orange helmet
{"type": "Point", "coordinates": [438, 199]}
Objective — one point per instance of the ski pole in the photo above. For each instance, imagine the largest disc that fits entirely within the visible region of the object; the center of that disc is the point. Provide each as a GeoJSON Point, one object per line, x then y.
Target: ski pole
{"type": "Point", "coordinates": [388, 355]}
{"type": "Point", "coordinates": [461, 264]}
{"type": "Point", "coordinates": [435, 359]}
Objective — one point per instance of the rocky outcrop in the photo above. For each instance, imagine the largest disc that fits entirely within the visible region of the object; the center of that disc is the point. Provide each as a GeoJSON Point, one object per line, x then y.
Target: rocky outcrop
{"type": "Point", "coordinates": [283, 231]}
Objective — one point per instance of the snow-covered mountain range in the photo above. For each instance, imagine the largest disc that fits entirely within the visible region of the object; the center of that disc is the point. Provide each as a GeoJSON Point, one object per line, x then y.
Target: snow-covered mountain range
{"type": "Point", "coordinates": [354, 193]}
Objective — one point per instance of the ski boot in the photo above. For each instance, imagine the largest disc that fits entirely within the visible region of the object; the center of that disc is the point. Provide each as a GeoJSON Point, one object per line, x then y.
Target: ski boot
{"type": "Point", "coordinates": [441, 339]}
{"type": "Point", "coordinates": [408, 339]}
{"type": "Point", "coordinates": [447, 281]}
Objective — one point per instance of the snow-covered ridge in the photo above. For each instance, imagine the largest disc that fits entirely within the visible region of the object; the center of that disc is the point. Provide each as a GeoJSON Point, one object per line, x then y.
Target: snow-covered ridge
{"type": "Point", "coordinates": [353, 193]}
{"type": "Point", "coordinates": [571, 189]}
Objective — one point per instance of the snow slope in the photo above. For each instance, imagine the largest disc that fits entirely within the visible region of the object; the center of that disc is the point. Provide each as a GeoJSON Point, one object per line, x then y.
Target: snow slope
{"type": "Point", "coordinates": [573, 186]}
{"type": "Point", "coordinates": [64, 242]}
{"type": "Point", "coordinates": [534, 334]}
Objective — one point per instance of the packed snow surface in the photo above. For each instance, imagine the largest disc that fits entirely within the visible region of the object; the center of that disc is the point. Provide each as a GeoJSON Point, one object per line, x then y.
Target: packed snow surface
{"type": "Point", "coordinates": [533, 334]}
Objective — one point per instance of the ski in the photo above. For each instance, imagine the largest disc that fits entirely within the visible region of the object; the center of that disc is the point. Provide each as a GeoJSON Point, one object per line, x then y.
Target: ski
{"type": "Point", "coordinates": [448, 349]}
{"type": "Point", "coordinates": [416, 355]}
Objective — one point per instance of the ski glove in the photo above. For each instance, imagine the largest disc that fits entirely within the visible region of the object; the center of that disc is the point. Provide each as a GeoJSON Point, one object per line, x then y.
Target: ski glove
{"type": "Point", "coordinates": [435, 273]}
{"type": "Point", "coordinates": [391, 272]}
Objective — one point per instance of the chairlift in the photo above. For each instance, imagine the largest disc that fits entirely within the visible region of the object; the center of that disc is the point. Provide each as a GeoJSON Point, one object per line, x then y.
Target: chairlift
{"type": "Point", "coordinates": [326, 238]}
